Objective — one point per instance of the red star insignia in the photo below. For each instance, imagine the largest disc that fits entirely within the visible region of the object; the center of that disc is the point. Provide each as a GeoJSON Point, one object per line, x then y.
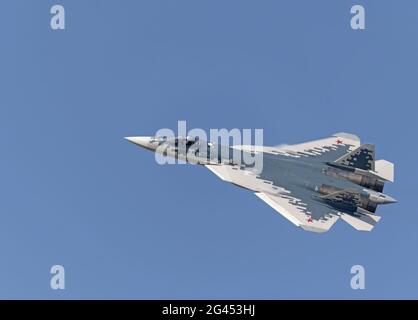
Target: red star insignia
{"type": "Point", "coordinates": [339, 141]}
{"type": "Point", "coordinates": [310, 220]}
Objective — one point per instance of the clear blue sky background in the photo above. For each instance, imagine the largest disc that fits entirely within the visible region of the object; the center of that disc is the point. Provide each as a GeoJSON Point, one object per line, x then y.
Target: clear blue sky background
{"type": "Point", "coordinates": [75, 193]}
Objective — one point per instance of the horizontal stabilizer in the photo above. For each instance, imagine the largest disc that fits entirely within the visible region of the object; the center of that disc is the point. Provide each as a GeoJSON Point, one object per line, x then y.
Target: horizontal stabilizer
{"type": "Point", "coordinates": [385, 170]}
{"type": "Point", "coordinates": [360, 221]}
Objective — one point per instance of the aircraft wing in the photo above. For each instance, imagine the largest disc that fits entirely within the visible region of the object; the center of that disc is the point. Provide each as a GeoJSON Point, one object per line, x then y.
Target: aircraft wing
{"type": "Point", "coordinates": [304, 211]}
{"type": "Point", "coordinates": [310, 216]}
{"type": "Point", "coordinates": [296, 205]}
{"type": "Point", "coordinates": [327, 149]}
{"type": "Point", "coordinates": [300, 207]}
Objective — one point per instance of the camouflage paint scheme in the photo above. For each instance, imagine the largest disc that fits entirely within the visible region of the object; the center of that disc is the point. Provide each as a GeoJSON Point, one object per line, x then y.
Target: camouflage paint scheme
{"type": "Point", "coordinates": [312, 184]}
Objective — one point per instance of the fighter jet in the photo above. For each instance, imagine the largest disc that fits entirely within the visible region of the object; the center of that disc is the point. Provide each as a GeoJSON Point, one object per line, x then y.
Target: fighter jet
{"type": "Point", "coordinates": [312, 184]}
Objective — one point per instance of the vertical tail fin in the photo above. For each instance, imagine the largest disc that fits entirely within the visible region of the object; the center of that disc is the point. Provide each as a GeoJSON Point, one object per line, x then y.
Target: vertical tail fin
{"type": "Point", "coordinates": [360, 158]}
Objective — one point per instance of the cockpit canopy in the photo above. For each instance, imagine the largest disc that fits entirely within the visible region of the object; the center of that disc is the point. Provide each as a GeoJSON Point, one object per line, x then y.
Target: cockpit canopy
{"type": "Point", "coordinates": [188, 139]}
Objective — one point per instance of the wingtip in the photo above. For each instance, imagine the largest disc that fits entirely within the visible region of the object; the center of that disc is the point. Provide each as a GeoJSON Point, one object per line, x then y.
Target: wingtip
{"type": "Point", "coordinates": [347, 136]}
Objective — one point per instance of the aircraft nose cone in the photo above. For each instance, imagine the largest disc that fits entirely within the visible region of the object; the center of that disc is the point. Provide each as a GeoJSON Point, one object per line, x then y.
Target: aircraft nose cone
{"type": "Point", "coordinates": [140, 141]}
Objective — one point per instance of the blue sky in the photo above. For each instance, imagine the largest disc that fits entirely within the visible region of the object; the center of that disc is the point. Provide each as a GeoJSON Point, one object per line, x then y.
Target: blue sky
{"type": "Point", "coordinates": [75, 193]}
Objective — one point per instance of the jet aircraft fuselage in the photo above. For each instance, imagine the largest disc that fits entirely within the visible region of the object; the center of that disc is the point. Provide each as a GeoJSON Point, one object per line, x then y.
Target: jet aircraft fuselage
{"type": "Point", "coordinates": [312, 184]}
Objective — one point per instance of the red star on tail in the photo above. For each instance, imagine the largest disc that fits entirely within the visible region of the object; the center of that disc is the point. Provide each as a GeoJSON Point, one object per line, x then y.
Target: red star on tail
{"type": "Point", "coordinates": [339, 141]}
